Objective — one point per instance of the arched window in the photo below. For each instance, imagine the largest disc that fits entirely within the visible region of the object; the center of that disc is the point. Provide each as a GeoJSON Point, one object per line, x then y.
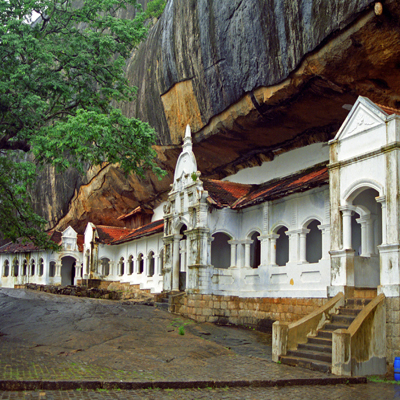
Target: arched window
{"type": "Point", "coordinates": [130, 265]}
{"type": "Point", "coordinates": [41, 268]}
{"type": "Point", "coordinates": [32, 267]}
{"type": "Point", "coordinates": [52, 269]}
{"type": "Point", "coordinates": [15, 267]}
{"type": "Point", "coordinates": [140, 263]}
{"type": "Point", "coordinates": [6, 268]}
{"type": "Point", "coordinates": [24, 266]}
{"type": "Point", "coordinates": [255, 250]}
{"type": "Point", "coordinates": [105, 263]}
{"type": "Point", "coordinates": [313, 242]}
{"type": "Point", "coordinates": [121, 266]}
{"type": "Point", "coordinates": [220, 250]}
{"type": "Point", "coordinates": [151, 263]}
{"type": "Point", "coordinates": [282, 247]}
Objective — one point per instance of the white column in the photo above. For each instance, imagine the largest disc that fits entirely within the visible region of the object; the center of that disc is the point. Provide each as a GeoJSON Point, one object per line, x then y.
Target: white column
{"type": "Point", "coordinates": [347, 212]}
{"type": "Point", "coordinates": [325, 231]}
{"type": "Point", "coordinates": [247, 245]}
{"type": "Point", "coordinates": [363, 224]}
{"type": "Point", "coordinates": [182, 254]}
{"type": "Point", "coordinates": [233, 244]}
{"type": "Point", "coordinates": [302, 245]}
{"type": "Point", "coordinates": [382, 201]}
{"type": "Point", "coordinates": [126, 266]}
{"type": "Point", "coordinates": [146, 265]}
{"type": "Point", "coordinates": [79, 271]}
{"type": "Point", "coordinates": [156, 264]}
{"type": "Point", "coordinates": [135, 265]}
{"type": "Point", "coordinates": [175, 263]}
{"type": "Point", "coordinates": [112, 268]}
{"type": "Point", "coordinates": [58, 269]}
{"type": "Point", "coordinates": [272, 252]}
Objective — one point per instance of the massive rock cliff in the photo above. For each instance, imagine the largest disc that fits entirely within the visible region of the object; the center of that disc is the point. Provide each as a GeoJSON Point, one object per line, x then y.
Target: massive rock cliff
{"type": "Point", "coordinates": [253, 78]}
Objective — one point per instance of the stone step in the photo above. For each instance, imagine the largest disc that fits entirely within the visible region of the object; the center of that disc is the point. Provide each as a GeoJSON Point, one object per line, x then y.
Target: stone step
{"type": "Point", "coordinates": [322, 333]}
{"type": "Point", "coordinates": [306, 363]}
{"type": "Point", "coordinates": [343, 319]}
{"type": "Point", "coordinates": [325, 341]}
{"type": "Point", "coordinates": [333, 326]}
{"type": "Point", "coordinates": [366, 293]}
{"type": "Point", "coordinates": [312, 355]}
{"type": "Point", "coordinates": [322, 348]}
{"type": "Point", "coordinates": [349, 311]}
{"type": "Point", "coordinates": [357, 302]}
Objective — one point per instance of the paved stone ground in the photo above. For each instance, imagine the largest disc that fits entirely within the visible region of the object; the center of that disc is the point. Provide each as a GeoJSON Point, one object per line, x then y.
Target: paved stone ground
{"type": "Point", "coordinates": [61, 338]}
{"type": "Point", "coordinates": [370, 391]}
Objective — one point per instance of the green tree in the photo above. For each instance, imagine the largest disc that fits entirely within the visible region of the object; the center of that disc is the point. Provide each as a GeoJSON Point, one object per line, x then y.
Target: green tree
{"type": "Point", "coordinates": [61, 78]}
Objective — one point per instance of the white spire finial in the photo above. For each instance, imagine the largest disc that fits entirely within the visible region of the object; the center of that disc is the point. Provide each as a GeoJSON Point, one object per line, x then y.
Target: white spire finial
{"type": "Point", "coordinates": [188, 133]}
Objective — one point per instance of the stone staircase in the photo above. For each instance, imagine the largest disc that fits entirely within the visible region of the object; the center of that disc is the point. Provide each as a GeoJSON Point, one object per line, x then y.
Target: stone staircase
{"type": "Point", "coordinates": [316, 354]}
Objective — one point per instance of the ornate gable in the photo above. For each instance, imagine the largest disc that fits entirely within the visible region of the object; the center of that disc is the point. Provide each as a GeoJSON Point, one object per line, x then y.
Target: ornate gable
{"type": "Point", "coordinates": [363, 116]}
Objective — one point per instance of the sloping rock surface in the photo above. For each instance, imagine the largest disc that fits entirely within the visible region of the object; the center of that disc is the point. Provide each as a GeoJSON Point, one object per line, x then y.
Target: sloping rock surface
{"type": "Point", "coordinates": [253, 78]}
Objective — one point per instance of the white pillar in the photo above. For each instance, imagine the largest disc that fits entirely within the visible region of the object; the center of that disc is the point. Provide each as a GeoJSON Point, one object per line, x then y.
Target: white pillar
{"type": "Point", "coordinates": [347, 212]}
{"type": "Point", "coordinates": [175, 263]}
{"type": "Point", "coordinates": [382, 201]}
{"type": "Point", "coordinates": [272, 252]}
{"type": "Point", "coordinates": [364, 236]}
{"type": "Point", "coordinates": [112, 268]}
{"type": "Point", "coordinates": [58, 269]}
{"type": "Point", "coordinates": [182, 254]}
{"type": "Point", "coordinates": [325, 231]}
{"type": "Point", "coordinates": [302, 245]}
{"type": "Point", "coordinates": [156, 264]}
{"type": "Point", "coordinates": [247, 245]}
{"type": "Point", "coordinates": [233, 244]}
{"type": "Point", "coordinates": [146, 265]}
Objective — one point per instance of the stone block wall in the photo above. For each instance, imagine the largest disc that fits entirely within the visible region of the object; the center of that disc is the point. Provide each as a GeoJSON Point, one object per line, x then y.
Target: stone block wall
{"type": "Point", "coordinates": [392, 330]}
{"type": "Point", "coordinates": [256, 312]}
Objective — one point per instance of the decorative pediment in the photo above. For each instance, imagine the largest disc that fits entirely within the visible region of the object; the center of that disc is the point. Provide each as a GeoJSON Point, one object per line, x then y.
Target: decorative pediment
{"type": "Point", "coordinates": [69, 239]}
{"type": "Point", "coordinates": [69, 233]}
{"type": "Point", "coordinates": [363, 116]}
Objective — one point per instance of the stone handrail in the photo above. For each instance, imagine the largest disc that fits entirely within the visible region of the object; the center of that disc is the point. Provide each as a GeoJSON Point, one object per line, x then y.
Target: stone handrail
{"type": "Point", "coordinates": [286, 336]}
{"type": "Point", "coordinates": [361, 348]}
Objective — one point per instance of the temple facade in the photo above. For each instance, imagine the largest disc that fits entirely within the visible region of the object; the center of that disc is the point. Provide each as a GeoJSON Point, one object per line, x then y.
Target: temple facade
{"type": "Point", "coordinates": [270, 243]}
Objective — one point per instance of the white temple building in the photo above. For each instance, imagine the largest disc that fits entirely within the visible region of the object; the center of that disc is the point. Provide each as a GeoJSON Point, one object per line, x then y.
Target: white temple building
{"type": "Point", "coordinates": [271, 242]}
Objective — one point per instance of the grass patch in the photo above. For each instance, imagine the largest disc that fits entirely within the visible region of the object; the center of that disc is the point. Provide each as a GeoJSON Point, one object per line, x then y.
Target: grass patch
{"type": "Point", "coordinates": [380, 379]}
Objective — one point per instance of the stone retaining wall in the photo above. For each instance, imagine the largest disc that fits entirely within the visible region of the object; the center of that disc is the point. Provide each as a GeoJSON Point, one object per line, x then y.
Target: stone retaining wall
{"type": "Point", "coordinates": [392, 330]}
{"type": "Point", "coordinates": [79, 291]}
{"type": "Point", "coordinates": [256, 312]}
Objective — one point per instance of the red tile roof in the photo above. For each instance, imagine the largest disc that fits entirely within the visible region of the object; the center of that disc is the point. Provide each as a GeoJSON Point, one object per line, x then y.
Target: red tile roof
{"type": "Point", "coordinates": [108, 234]}
{"type": "Point", "coordinates": [225, 193]}
{"type": "Point", "coordinates": [26, 247]}
{"type": "Point", "coordinates": [278, 188]}
{"type": "Point", "coordinates": [388, 110]}
{"type": "Point", "coordinates": [145, 230]}
{"type": "Point", "coordinates": [237, 196]}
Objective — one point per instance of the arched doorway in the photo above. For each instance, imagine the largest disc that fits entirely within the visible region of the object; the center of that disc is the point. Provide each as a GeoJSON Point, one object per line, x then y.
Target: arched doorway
{"type": "Point", "coordinates": [67, 270]}
{"type": "Point", "coordinates": [313, 242]}
{"type": "Point", "coordinates": [151, 263]}
{"type": "Point", "coordinates": [366, 236]}
{"type": "Point", "coordinates": [282, 247]}
{"type": "Point", "coordinates": [220, 250]}
{"type": "Point", "coordinates": [255, 250]}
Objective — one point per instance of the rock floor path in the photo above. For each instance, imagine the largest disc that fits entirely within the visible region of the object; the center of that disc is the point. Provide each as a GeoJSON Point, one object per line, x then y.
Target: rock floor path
{"type": "Point", "coordinates": [62, 347]}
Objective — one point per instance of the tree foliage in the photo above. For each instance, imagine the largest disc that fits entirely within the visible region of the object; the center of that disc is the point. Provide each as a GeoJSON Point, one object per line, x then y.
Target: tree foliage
{"type": "Point", "coordinates": [60, 79]}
